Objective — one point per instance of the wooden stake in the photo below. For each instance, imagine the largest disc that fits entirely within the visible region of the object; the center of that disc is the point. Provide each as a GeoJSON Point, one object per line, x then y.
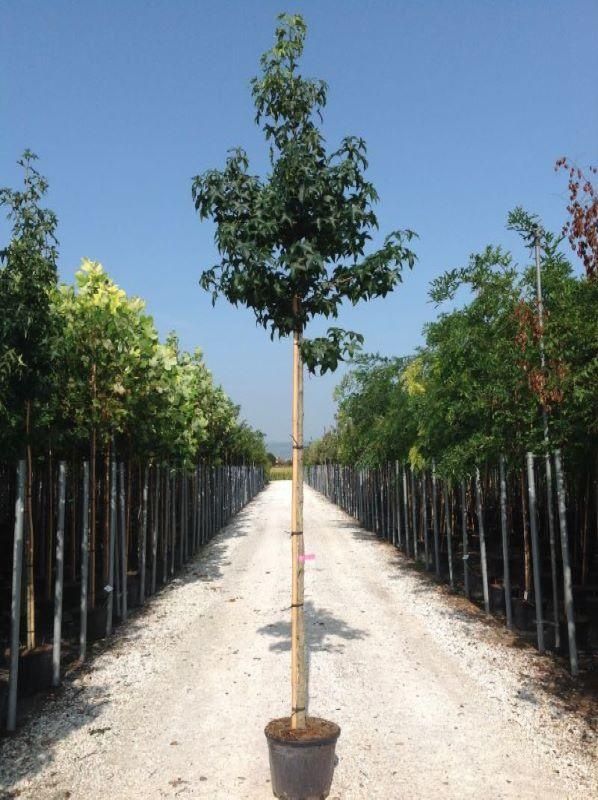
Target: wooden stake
{"type": "Point", "coordinates": [195, 489]}
{"type": "Point", "coordinates": [405, 505]}
{"type": "Point", "coordinates": [552, 539]}
{"type": "Point", "coordinates": [143, 547]}
{"type": "Point", "coordinates": [58, 591]}
{"type": "Point", "coordinates": [15, 611]}
{"type": "Point", "coordinates": [50, 527]}
{"type": "Point", "coordinates": [435, 521]}
{"type": "Point", "coordinates": [527, 560]}
{"type": "Point", "coordinates": [464, 536]}
{"type": "Point", "coordinates": [448, 523]}
{"type": "Point", "coordinates": [425, 520]}
{"type": "Point", "coordinates": [567, 581]}
{"type": "Point", "coordinates": [111, 494]}
{"type": "Point", "coordinates": [155, 526]}
{"type": "Point", "coordinates": [505, 543]}
{"type": "Point", "coordinates": [166, 517]}
{"type": "Point", "coordinates": [106, 520]}
{"type": "Point", "coordinates": [533, 526]}
{"type": "Point", "coordinates": [73, 548]}
{"type": "Point", "coordinates": [397, 536]}
{"type": "Point", "coordinates": [483, 561]}
{"type": "Point", "coordinates": [84, 564]}
{"type": "Point", "coordinates": [415, 517]}
{"type": "Point", "coordinates": [92, 523]}
{"type": "Point", "coordinates": [173, 498]}
{"type": "Point", "coordinates": [30, 541]}
{"type": "Point", "coordinates": [298, 664]}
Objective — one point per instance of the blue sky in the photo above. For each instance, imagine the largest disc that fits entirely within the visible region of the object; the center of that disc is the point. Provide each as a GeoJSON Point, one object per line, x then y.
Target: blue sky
{"type": "Point", "coordinates": [465, 105]}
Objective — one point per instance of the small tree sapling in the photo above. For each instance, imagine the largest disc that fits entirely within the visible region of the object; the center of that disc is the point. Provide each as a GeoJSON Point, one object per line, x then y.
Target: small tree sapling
{"type": "Point", "coordinates": [292, 249]}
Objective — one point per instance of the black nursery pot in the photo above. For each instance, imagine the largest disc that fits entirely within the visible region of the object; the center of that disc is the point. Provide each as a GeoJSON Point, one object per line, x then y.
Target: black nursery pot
{"type": "Point", "coordinates": [302, 763]}
{"type": "Point", "coordinates": [497, 597]}
{"type": "Point", "coordinates": [35, 670]}
{"type": "Point", "coordinates": [133, 591]}
{"type": "Point", "coordinates": [525, 614]}
{"type": "Point", "coordinates": [96, 623]}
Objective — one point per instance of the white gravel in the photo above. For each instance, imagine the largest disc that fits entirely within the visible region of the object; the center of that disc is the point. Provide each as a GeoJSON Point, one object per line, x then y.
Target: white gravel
{"type": "Point", "coordinates": [432, 701]}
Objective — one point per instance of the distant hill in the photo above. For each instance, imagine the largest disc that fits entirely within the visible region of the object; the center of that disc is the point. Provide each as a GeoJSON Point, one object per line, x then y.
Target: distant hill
{"type": "Point", "coordinates": [281, 450]}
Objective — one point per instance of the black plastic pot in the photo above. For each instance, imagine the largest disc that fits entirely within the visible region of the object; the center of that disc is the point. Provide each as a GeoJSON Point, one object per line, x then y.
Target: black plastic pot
{"type": "Point", "coordinates": [3, 701]}
{"type": "Point", "coordinates": [497, 597]}
{"type": "Point", "coordinates": [96, 623]}
{"type": "Point", "coordinates": [302, 768]}
{"type": "Point", "coordinates": [35, 670]}
{"type": "Point", "coordinates": [133, 591]}
{"type": "Point", "coordinates": [525, 614]}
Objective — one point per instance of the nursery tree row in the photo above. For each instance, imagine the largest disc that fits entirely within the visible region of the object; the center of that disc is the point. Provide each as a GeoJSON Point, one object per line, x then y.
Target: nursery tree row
{"type": "Point", "coordinates": [477, 389]}
{"type": "Point", "coordinates": [484, 536]}
{"type": "Point", "coordinates": [101, 551]}
{"type": "Point", "coordinates": [82, 368]}
{"type": "Point", "coordinates": [85, 385]}
{"type": "Point", "coordinates": [504, 381]}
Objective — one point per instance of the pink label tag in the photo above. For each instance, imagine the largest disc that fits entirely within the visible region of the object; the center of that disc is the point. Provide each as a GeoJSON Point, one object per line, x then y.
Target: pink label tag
{"type": "Point", "coordinates": [308, 557]}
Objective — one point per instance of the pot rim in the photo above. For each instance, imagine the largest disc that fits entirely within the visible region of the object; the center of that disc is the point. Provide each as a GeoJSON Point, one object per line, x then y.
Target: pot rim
{"type": "Point", "coordinates": [310, 741]}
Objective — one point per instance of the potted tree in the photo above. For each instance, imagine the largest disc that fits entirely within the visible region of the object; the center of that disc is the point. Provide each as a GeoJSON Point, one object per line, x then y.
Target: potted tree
{"type": "Point", "coordinates": [29, 330]}
{"type": "Point", "coordinates": [292, 248]}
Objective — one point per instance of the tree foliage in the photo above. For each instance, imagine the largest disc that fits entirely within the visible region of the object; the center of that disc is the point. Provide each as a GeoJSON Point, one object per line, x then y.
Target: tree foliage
{"type": "Point", "coordinates": [477, 389]}
{"type": "Point", "coordinates": [292, 245]}
{"type": "Point", "coordinates": [88, 361]}
{"type": "Point", "coordinates": [155, 400]}
{"type": "Point", "coordinates": [28, 325]}
{"type": "Point", "coordinates": [582, 226]}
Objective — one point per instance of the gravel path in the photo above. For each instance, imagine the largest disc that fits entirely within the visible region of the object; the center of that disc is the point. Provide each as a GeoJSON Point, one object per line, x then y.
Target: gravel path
{"type": "Point", "coordinates": [431, 703]}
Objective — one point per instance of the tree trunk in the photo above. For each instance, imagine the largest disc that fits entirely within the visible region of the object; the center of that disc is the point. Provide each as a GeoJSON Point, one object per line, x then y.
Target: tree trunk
{"type": "Point", "coordinates": [93, 491]}
{"type": "Point", "coordinates": [92, 523]}
{"type": "Point", "coordinates": [73, 553]}
{"type": "Point", "coordinates": [15, 612]}
{"type": "Point", "coordinates": [59, 590]}
{"type": "Point", "coordinates": [527, 560]}
{"type": "Point", "coordinates": [50, 528]}
{"type": "Point", "coordinates": [298, 663]}
{"type": "Point", "coordinates": [84, 565]}
{"type": "Point", "coordinates": [30, 553]}
{"type": "Point", "coordinates": [128, 506]}
{"type": "Point", "coordinates": [584, 537]}
{"type": "Point", "coordinates": [567, 579]}
{"type": "Point", "coordinates": [106, 553]}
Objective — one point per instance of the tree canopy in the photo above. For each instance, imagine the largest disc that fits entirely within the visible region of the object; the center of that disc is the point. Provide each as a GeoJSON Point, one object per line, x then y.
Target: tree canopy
{"type": "Point", "coordinates": [86, 360]}
{"type": "Point", "coordinates": [293, 244]}
{"type": "Point", "coordinates": [477, 388]}
{"type": "Point", "coordinates": [28, 324]}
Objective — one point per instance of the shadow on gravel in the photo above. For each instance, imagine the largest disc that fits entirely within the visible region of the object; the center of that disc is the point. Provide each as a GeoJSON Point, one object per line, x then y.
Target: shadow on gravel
{"type": "Point", "coordinates": [209, 559]}
{"type": "Point", "coordinates": [358, 533]}
{"type": "Point", "coordinates": [324, 631]}
{"type": "Point", "coordinates": [550, 672]}
{"type": "Point", "coordinates": [59, 714]}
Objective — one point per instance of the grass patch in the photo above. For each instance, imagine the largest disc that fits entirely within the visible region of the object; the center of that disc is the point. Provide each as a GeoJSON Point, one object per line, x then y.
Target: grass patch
{"type": "Point", "coordinates": [281, 473]}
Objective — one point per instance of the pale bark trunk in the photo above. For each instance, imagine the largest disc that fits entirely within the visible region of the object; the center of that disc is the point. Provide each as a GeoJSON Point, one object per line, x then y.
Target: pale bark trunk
{"type": "Point", "coordinates": [50, 529]}
{"type": "Point", "coordinates": [298, 661]}
{"type": "Point", "coordinates": [527, 559]}
{"type": "Point", "coordinates": [92, 523]}
{"type": "Point", "coordinates": [106, 553]}
{"type": "Point", "coordinates": [30, 552]}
